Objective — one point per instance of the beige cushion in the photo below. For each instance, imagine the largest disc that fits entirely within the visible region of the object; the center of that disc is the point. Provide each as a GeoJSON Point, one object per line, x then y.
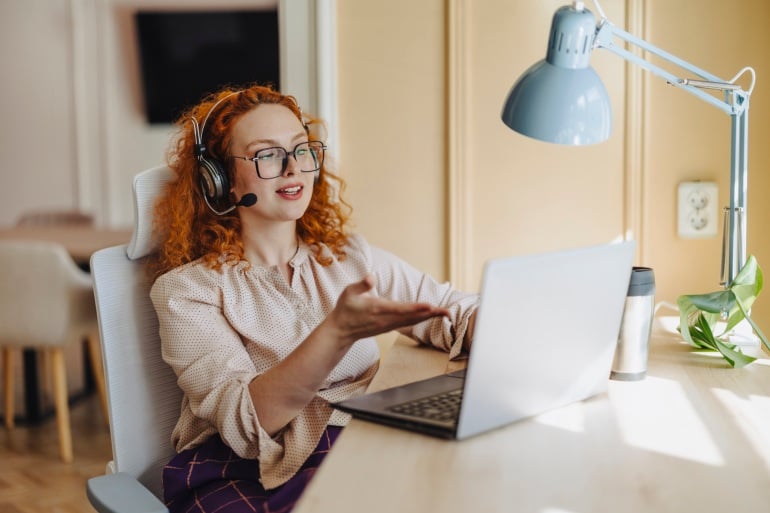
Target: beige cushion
{"type": "Point", "coordinates": [45, 299]}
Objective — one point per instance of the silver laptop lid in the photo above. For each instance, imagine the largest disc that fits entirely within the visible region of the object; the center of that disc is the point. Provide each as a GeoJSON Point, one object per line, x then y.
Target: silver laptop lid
{"type": "Point", "coordinates": [545, 334]}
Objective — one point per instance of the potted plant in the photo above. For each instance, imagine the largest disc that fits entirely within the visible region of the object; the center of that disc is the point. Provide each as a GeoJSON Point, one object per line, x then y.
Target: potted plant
{"type": "Point", "coordinates": [702, 314]}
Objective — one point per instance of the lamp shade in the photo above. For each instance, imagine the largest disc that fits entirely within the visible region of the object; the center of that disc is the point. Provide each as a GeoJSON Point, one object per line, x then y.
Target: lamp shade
{"type": "Point", "coordinates": [561, 99]}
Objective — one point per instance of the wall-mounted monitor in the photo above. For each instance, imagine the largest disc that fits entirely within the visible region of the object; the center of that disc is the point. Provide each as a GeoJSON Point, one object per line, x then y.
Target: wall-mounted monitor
{"type": "Point", "coordinates": [186, 54]}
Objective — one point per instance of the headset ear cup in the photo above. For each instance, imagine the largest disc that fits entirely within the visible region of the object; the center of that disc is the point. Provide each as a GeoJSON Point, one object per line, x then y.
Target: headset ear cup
{"type": "Point", "coordinates": [214, 183]}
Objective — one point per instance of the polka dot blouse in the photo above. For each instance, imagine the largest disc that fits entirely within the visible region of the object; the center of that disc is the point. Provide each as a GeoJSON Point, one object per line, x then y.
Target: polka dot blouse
{"type": "Point", "coordinates": [220, 329]}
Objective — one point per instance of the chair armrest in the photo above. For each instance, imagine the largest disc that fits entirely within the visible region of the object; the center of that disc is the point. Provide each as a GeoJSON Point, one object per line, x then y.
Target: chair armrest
{"type": "Point", "coordinates": [121, 493]}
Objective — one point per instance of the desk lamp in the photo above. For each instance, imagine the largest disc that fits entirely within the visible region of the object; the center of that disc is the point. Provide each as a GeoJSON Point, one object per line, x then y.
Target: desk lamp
{"type": "Point", "coordinates": [561, 99]}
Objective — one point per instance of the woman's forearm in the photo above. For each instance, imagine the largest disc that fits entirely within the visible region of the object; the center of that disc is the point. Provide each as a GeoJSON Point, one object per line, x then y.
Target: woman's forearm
{"type": "Point", "coordinates": [282, 392]}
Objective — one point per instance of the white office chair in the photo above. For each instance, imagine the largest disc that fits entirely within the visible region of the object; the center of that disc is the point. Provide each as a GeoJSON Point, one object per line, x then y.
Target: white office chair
{"type": "Point", "coordinates": [143, 397]}
{"type": "Point", "coordinates": [46, 304]}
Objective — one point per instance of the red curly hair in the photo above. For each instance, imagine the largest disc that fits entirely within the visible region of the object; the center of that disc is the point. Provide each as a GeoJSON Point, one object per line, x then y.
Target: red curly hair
{"type": "Point", "coordinates": [186, 226]}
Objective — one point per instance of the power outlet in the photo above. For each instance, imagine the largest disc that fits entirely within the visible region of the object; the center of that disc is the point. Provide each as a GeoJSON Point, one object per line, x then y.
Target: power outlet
{"type": "Point", "coordinates": [698, 210]}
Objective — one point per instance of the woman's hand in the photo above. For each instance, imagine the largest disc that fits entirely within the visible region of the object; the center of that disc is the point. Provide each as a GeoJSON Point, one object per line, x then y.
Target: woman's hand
{"type": "Point", "coordinates": [359, 314]}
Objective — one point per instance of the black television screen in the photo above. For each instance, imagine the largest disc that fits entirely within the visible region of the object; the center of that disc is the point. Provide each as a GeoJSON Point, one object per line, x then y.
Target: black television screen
{"type": "Point", "coordinates": [185, 55]}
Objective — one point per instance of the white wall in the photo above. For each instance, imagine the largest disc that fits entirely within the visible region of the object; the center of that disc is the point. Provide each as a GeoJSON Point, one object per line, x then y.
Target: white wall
{"type": "Point", "coordinates": [75, 133]}
{"type": "Point", "coordinates": [36, 105]}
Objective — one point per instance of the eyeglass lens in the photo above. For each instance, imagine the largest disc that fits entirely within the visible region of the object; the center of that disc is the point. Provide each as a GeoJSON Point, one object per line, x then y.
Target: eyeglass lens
{"type": "Point", "coordinates": [272, 162]}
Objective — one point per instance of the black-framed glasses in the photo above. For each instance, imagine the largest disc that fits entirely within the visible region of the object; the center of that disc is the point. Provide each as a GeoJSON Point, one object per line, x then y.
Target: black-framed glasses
{"type": "Point", "coordinates": [271, 162]}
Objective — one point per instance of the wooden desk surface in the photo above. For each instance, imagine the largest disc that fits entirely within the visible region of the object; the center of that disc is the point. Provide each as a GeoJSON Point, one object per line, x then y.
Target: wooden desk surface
{"type": "Point", "coordinates": [80, 241]}
{"type": "Point", "coordinates": [693, 436]}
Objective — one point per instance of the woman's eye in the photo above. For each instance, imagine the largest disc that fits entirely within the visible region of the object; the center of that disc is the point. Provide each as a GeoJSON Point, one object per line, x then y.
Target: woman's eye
{"type": "Point", "coordinates": [267, 155]}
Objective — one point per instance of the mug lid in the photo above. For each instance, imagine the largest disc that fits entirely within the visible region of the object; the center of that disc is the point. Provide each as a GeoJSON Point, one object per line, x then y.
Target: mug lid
{"type": "Point", "coordinates": [642, 282]}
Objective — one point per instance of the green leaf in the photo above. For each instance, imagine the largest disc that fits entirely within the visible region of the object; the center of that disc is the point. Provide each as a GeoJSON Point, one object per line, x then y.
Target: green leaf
{"type": "Point", "coordinates": [714, 302]}
{"type": "Point", "coordinates": [686, 310]}
{"type": "Point", "coordinates": [702, 338]}
{"type": "Point", "coordinates": [748, 284]}
{"type": "Point", "coordinates": [754, 326]}
{"type": "Point", "coordinates": [734, 356]}
{"type": "Point", "coordinates": [690, 313]}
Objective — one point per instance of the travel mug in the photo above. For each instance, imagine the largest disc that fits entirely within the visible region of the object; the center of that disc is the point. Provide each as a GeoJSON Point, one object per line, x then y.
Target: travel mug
{"type": "Point", "coordinates": [630, 363]}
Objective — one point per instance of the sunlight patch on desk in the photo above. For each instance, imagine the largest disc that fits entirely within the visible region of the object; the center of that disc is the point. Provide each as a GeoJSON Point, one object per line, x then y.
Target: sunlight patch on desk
{"type": "Point", "coordinates": [571, 417]}
{"type": "Point", "coordinates": [744, 411]}
{"type": "Point", "coordinates": [644, 428]}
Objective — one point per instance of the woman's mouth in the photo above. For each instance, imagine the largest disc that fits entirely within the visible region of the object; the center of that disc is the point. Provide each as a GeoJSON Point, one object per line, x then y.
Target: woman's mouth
{"type": "Point", "coordinates": [291, 192]}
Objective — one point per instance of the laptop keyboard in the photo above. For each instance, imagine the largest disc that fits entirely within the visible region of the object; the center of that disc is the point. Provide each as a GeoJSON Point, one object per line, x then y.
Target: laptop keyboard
{"type": "Point", "coordinates": [441, 407]}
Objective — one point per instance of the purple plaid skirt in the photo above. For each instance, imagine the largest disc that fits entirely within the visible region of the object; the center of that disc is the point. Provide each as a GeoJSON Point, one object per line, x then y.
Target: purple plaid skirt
{"type": "Point", "coordinates": [212, 478]}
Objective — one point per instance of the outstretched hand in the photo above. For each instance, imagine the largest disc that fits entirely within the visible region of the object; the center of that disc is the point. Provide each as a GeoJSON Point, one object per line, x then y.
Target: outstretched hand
{"type": "Point", "coordinates": [360, 314]}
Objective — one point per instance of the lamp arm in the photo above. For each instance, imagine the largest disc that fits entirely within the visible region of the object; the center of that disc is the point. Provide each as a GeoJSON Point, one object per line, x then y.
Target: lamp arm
{"type": "Point", "coordinates": [735, 103]}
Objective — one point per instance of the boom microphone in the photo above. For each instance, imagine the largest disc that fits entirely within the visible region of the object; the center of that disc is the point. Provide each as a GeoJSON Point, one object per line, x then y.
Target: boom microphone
{"type": "Point", "coordinates": [247, 200]}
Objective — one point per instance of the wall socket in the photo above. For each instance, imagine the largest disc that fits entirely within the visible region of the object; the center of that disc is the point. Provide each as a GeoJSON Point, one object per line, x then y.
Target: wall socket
{"type": "Point", "coordinates": [698, 210]}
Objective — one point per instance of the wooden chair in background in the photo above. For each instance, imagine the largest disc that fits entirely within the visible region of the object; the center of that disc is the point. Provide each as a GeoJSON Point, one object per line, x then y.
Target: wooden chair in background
{"type": "Point", "coordinates": [46, 302]}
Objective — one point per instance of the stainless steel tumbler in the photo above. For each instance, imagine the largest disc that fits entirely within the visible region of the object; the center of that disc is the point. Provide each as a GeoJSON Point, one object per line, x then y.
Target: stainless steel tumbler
{"type": "Point", "coordinates": [630, 363]}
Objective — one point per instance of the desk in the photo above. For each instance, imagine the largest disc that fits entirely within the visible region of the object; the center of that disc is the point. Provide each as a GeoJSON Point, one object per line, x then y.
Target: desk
{"type": "Point", "coordinates": [693, 436]}
{"type": "Point", "coordinates": [80, 242]}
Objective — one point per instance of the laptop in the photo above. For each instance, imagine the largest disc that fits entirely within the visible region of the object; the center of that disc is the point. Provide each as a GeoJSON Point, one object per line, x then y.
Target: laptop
{"type": "Point", "coordinates": [545, 336]}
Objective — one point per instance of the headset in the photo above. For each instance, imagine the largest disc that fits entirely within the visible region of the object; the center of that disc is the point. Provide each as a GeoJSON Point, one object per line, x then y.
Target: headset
{"type": "Point", "coordinates": [214, 181]}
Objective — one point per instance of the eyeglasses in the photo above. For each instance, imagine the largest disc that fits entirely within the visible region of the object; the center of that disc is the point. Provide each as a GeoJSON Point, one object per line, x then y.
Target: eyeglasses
{"type": "Point", "coordinates": [272, 162]}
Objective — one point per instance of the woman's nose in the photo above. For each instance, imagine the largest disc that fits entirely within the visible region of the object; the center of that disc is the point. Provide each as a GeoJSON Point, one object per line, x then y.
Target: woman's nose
{"type": "Point", "coordinates": [291, 165]}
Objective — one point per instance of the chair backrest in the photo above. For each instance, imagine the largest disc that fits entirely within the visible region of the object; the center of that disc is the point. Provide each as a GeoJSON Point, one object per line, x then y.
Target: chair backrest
{"type": "Point", "coordinates": [46, 299]}
{"type": "Point", "coordinates": [143, 396]}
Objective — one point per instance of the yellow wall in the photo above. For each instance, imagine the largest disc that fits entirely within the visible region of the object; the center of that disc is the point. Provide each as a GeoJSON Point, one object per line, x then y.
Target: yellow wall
{"type": "Point", "coordinates": [392, 104]}
{"type": "Point", "coordinates": [435, 177]}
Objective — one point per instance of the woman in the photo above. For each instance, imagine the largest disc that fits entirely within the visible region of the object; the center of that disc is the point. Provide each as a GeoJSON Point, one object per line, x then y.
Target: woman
{"type": "Point", "coordinates": [267, 305]}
